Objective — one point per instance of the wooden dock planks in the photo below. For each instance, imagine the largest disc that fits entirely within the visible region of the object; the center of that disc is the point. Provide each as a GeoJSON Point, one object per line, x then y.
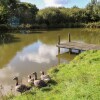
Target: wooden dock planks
{"type": "Point", "coordinates": [78, 46]}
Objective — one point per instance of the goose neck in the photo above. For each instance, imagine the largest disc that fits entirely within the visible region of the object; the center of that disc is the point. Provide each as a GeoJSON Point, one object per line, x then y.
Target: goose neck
{"type": "Point", "coordinates": [35, 76]}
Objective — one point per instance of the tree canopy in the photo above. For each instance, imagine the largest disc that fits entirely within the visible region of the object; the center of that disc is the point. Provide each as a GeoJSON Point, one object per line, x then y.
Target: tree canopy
{"type": "Point", "coordinates": [30, 14]}
{"type": "Point", "coordinates": [26, 12]}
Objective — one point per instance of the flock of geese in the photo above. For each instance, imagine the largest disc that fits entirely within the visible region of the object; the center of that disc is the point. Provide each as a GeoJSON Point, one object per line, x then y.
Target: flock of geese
{"type": "Point", "coordinates": [33, 81]}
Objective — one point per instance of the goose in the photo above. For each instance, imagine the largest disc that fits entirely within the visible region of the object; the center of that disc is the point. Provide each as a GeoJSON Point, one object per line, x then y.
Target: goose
{"type": "Point", "coordinates": [45, 77]}
{"type": "Point", "coordinates": [30, 80]}
{"type": "Point", "coordinates": [38, 83]}
{"type": "Point", "coordinates": [20, 87]}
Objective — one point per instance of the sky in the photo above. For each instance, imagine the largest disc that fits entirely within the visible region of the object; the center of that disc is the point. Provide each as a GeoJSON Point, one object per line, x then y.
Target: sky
{"type": "Point", "coordinates": [58, 3]}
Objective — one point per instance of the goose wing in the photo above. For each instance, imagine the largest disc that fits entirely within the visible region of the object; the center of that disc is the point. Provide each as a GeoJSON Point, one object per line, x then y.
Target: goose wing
{"type": "Point", "coordinates": [39, 83]}
{"type": "Point", "coordinates": [45, 77]}
{"type": "Point", "coordinates": [22, 88]}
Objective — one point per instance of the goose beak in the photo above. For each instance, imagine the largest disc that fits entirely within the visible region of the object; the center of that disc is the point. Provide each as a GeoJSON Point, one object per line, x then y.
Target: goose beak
{"type": "Point", "coordinates": [15, 78]}
{"type": "Point", "coordinates": [33, 72]}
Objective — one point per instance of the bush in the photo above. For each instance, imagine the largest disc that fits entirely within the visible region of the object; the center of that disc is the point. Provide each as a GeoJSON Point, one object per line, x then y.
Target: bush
{"type": "Point", "coordinates": [4, 27]}
{"type": "Point", "coordinates": [93, 25]}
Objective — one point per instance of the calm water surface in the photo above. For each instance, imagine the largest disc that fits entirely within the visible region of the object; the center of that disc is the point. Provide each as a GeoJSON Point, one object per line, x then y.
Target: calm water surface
{"type": "Point", "coordinates": [25, 53]}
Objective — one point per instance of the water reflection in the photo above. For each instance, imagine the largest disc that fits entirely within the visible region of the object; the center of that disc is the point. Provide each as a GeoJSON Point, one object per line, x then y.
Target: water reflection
{"type": "Point", "coordinates": [42, 53]}
{"type": "Point", "coordinates": [35, 52]}
{"type": "Point", "coordinates": [8, 38]}
{"type": "Point", "coordinates": [35, 57]}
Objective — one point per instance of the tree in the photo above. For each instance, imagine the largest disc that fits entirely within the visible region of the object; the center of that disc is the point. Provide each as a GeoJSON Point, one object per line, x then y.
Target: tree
{"type": "Point", "coordinates": [3, 14]}
{"type": "Point", "coordinates": [50, 16]}
{"type": "Point", "coordinates": [10, 7]}
{"type": "Point", "coordinates": [9, 3]}
{"type": "Point", "coordinates": [26, 12]}
{"type": "Point", "coordinates": [93, 11]}
{"type": "Point", "coordinates": [94, 2]}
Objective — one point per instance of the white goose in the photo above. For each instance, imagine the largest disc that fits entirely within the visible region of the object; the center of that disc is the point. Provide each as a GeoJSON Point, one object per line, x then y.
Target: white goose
{"type": "Point", "coordinates": [44, 77]}
{"type": "Point", "coordinates": [30, 80]}
{"type": "Point", "coordinates": [38, 83]}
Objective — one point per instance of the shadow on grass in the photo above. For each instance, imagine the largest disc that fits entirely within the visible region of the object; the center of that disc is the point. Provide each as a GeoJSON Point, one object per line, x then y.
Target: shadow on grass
{"type": "Point", "coordinates": [49, 87]}
{"type": "Point", "coordinates": [46, 89]}
{"type": "Point", "coordinates": [30, 92]}
{"type": "Point", "coordinates": [52, 82]}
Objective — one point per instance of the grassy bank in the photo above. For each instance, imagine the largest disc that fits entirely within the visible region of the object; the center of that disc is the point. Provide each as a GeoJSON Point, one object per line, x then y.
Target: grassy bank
{"type": "Point", "coordinates": [79, 80]}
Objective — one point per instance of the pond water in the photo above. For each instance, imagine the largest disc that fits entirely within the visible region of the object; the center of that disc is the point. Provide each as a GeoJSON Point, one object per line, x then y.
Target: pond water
{"type": "Point", "coordinates": [21, 54]}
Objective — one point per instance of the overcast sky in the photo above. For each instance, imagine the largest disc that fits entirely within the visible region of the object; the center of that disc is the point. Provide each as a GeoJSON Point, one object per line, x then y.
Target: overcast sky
{"type": "Point", "coordinates": [58, 3]}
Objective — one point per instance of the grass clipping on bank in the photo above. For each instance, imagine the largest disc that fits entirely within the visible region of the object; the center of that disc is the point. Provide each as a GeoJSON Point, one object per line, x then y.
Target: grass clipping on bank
{"type": "Point", "coordinates": [79, 80]}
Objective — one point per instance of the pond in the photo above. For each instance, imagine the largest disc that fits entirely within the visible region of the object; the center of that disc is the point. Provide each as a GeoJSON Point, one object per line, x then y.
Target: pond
{"type": "Point", "coordinates": [21, 54]}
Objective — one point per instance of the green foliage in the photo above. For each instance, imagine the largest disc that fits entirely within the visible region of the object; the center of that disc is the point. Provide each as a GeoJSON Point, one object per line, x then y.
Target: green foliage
{"type": "Point", "coordinates": [79, 80]}
{"type": "Point", "coordinates": [3, 28]}
{"type": "Point", "coordinates": [3, 14]}
{"type": "Point", "coordinates": [69, 17]}
{"type": "Point", "coordinates": [93, 12]}
{"type": "Point", "coordinates": [93, 25]}
{"type": "Point", "coordinates": [49, 17]}
{"type": "Point", "coordinates": [26, 12]}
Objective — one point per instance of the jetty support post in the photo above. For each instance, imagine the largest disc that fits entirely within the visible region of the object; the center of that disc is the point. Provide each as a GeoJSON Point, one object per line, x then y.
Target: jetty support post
{"type": "Point", "coordinates": [58, 44]}
{"type": "Point", "coordinates": [69, 40]}
{"type": "Point", "coordinates": [69, 37]}
{"type": "Point", "coordinates": [79, 51]}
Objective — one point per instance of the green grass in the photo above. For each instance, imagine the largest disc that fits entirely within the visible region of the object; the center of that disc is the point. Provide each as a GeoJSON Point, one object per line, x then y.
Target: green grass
{"type": "Point", "coordinates": [79, 80]}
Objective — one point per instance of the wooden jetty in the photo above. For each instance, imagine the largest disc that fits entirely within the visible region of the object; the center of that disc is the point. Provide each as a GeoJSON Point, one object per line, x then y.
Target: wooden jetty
{"type": "Point", "coordinates": [76, 45]}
